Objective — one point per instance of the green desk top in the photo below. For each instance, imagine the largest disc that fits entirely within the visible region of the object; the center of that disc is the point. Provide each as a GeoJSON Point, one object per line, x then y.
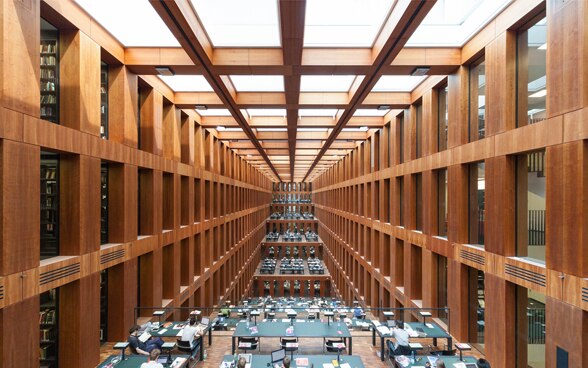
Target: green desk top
{"type": "Point", "coordinates": [135, 361]}
{"type": "Point", "coordinates": [301, 329]}
{"type": "Point", "coordinates": [171, 331]}
{"type": "Point", "coordinates": [262, 361]}
{"type": "Point", "coordinates": [432, 332]}
{"type": "Point", "coordinates": [448, 360]}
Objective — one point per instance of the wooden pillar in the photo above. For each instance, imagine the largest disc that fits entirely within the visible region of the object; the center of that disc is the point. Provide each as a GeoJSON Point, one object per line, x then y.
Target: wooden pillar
{"type": "Point", "coordinates": [151, 111]}
{"type": "Point", "coordinates": [457, 298]}
{"type": "Point", "coordinates": [79, 322]}
{"type": "Point", "coordinates": [123, 196]}
{"type": "Point", "coordinates": [457, 129]}
{"type": "Point", "coordinates": [567, 208]}
{"type": "Point", "coordinates": [566, 329]}
{"type": "Point", "coordinates": [79, 80]}
{"type": "Point", "coordinates": [187, 140]}
{"type": "Point", "coordinates": [19, 47]}
{"type": "Point", "coordinates": [122, 299]}
{"type": "Point", "coordinates": [499, 321]}
{"type": "Point", "coordinates": [122, 106]}
{"type": "Point", "coordinates": [457, 212]}
{"type": "Point", "coordinates": [79, 231]}
{"type": "Point", "coordinates": [20, 205]}
{"type": "Point", "coordinates": [150, 281]}
{"type": "Point", "coordinates": [567, 76]}
{"type": "Point", "coordinates": [20, 325]}
{"type": "Point", "coordinates": [500, 205]}
{"type": "Point", "coordinates": [501, 84]}
{"type": "Point", "coordinates": [171, 132]}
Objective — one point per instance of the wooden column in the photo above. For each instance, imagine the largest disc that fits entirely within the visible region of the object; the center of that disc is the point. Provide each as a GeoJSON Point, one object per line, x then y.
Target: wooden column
{"type": "Point", "coordinates": [19, 342]}
{"type": "Point", "coordinates": [500, 205]}
{"type": "Point", "coordinates": [457, 201]}
{"type": "Point", "coordinates": [79, 322]}
{"type": "Point", "coordinates": [566, 328]}
{"type": "Point", "coordinates": [123, 196]}
{"type": "Point", "coordinates": [79, 204]}
{"type": "Point", "coordinates": [122, 299]}
{"type": "Point", "coordinates": [20, 205]}
{"type": "Point", "coordinates": [499, 321]}
{"type": "Point", "coordinates": [150, 281]}
{"type": "Point", "coordinates": [429, 123]}
{"type": "Point", "coordinates": [567, 208]}
{"type": "Point", "coordinates": [457, 298]}
{"type": "Point", "coordinates": [19, 47]}
{"type": "Point", "coordinates": [151, 137]}
{"type": "Point", "coordinates": [501, 83]}
{"type": "Point", "coordinates": [567, 72]}
{"type": "Point", "coordinates": [171, 132]}
{"type": "Point", "coordinates": [79, 80]}
{"type": "Point", "coordinates": [122, 106]}
{"type": "Point", "coordinates": [457, 129]}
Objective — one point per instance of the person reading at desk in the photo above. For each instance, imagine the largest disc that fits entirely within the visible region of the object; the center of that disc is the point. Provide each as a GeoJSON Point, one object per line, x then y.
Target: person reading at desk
{"type": "Point", "coordinates": [192, 332]}
{"type": "Point", "coordinates": [142, 347]}
{"type": "Point", "coordinates": [401, 347]}
{"type": "Point", "coordinates": [241, 363]}
{"type": "Point", "coordinates": [286, 362]}
{"type": "Point", "coordinates": [152, 362]}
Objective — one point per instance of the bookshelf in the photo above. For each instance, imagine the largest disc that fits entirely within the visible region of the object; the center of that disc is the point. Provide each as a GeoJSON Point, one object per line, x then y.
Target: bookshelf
{"type": "Point", "coordinates": [49, 50]}
{"type": "Point", "coordinates": [49, 205]}
{"type": "Point", "coordinates": [48, 323]}
{"type": "Point", "coordinates": [103, 305]}
{"type": "Point", "coordinates": [104, 101]}
{"type": "Point", "coordinates": [104, 203]}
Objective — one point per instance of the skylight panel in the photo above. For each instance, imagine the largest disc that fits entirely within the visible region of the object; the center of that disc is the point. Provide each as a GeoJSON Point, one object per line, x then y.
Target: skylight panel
{"type": "Point", "coordinates": [187, 83]}
{"type": "Point", "coordinates": [238, 23]}
{"type": "Point", "coordinates": [143, 28]}
{"type": "Point", "coordinates": [370, 112]}
{"type": "Point", "coordinates": [266, 112]}
{"type": "Point", "coordinates": [453, 22]}
{"type": "Point", "coordinates": [326, 83]}
{"type": "Point", "coordinates": [213, 112]}
{"type": "Point", "coordinates": [317, 112]}
{"type": "Point", "coordinates": [397, 83]}
{"type": "Point", "coordinates": [258, 83]}
{"type": "Point", "coordinates": [344, 23]}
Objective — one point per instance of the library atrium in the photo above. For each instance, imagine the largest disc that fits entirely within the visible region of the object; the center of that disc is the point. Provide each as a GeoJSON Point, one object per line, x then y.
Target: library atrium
{"type": "Point", "coordinates": [294, 183]}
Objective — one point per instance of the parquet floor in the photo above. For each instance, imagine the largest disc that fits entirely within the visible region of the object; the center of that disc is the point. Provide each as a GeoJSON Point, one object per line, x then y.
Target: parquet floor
{"type": "Point", "coordinates": [362, 346]}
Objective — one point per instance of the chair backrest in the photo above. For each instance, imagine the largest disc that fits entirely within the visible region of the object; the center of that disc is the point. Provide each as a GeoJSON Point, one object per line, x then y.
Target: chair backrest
{"type": "Point", "coordinates": [285, 340]}
{"type": "Point", "coordinates": [248, 339]}
{"type": "Point", "coordinates": [184, 345]}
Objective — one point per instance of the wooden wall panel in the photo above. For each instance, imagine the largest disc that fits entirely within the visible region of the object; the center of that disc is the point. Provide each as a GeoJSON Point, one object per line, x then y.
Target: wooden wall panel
{"type": "Point", "coordinates": [501, 83]}
{"type": "Point", "coordinates": [151, 110]}
{"type": "Point", "coordinates": [79, 321]}
{"type": "Point", "coordinates": [22, 319]}
{"type": "Point", "coordinates": [457, 128]}
{"type": "Point", "coordinates": [500, 205]}
{"type": "Point", "coordinates": [122, 192]}
{"type": "Point", "coordinates": [123, 108]}
{"type": "Point", "coordinates": [567, 328]}
{"type": "Point", "coordinates": [19, 40]}
{"type": "Point", "coordinates": [499, 320]}
{"type": "Point", "coordinates": [79, 80]}
{"type": "Point", "coordinates": [19, 242]}
{"type": "Point", "coordinates": [122, 298]}
{"type": "Point", "coordinates": [567, 51]}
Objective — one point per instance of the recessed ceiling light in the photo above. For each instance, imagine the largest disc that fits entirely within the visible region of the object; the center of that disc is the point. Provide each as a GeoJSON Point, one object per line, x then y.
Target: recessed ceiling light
{"type": "Point", "coordinates": [384, 107]}
{"type": "Point", "coordinates": [164, 70]}
{"type": "Point", "coordinates": [419, 71]}
{"type": "Point", "coordinates": [201, 107]}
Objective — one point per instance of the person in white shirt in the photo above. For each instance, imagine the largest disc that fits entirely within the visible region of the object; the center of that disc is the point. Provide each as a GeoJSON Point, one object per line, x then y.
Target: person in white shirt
{"type": "Point", "coordinates": [401, 346]}
{"type": "Point", "coordinates": [192, 332]}
{"type": "Point", "coordinates": [152, 362]}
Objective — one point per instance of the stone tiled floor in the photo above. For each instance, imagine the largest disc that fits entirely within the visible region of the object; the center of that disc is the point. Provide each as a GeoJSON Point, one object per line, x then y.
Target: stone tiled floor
{"type": "Point", "coordinates": [362, 345]}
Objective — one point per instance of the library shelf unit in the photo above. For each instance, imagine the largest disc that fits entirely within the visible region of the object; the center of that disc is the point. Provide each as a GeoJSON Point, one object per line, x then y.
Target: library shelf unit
{"type": "Point", "coordinates": [48, 323]}
{"type": "Point", "coordinates": [49, 64]}
{"type": "Point", "coordinates": [49, 205]}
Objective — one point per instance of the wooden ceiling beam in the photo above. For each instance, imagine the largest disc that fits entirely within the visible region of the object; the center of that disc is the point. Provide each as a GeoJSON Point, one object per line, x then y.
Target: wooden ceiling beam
{"type": "Point", "coordinates": [402, 22]}
{"type": "Point", "coordinates": [181, 19]}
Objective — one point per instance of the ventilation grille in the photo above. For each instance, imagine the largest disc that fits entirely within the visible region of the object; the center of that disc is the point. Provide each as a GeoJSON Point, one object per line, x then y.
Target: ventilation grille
{"type": "Point", "coordinates": [1, 292]}
{"type": "Point", "coordinates": [60, 273]}
{"type": "Point", "coordinates": [472, 257]}
{"type": "Point", "coordinates": [527, 275]}
{"type": "Point", "coordinates": [108, 257]}
{"type": "Point", "coordinates": [585, 294]}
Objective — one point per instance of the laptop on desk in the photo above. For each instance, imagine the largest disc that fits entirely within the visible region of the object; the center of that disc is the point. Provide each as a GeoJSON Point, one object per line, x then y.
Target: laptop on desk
{"type": "Point", "coordinates": [278, 356]}
{"type": "Point", "coordinates": [204, 323]}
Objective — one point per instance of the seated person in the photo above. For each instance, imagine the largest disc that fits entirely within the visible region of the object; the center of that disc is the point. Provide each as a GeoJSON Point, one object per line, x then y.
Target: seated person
{"type": "Point", "coordinates": [286, 362]}
{"type": "Point", "coordinates": [241, 363]}
{"type": "Point", "coordinates": [401, 346]}
{"type": "Point", "coordinates": [358, 312]}
{"type": "Point", "coordinates": [152, 362]}
{"type": "Point", "coordinates": [225, 311]}
{"type": "Point", "coordinates": [440, 363]}
{"type": "Point", "coordinates": [139, 347]}
{"type": "Point", "coordinates": [483, 363]}
{"type": "Point", "coordinates": [192, 332]}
